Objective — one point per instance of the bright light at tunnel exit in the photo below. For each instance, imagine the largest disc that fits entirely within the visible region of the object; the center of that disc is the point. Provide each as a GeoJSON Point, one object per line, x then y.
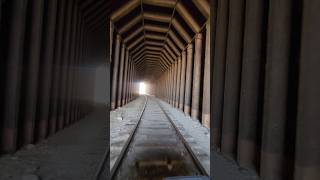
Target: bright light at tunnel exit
{"type": "Point", "coordinates": [142, 88]}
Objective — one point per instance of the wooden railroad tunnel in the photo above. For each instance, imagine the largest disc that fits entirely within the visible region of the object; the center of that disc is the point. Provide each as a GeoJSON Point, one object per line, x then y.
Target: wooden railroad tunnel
{"type": "Point", "coordinates": [246, 69]}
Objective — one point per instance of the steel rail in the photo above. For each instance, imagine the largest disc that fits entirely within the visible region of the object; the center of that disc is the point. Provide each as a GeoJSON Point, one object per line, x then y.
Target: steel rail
{"type": "Point", "coordinates": [124, 150]}
{"type": "Point", "coordinates": [185, 143]}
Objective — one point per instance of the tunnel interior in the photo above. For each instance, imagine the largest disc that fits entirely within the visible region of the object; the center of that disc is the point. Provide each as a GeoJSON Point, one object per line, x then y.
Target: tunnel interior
{"type": "Point", "coordinates": [163, 39]}
{"type": "Point", "coordinates": [166, 46]}
{"type": "Point", "coordinates": [242, 73]}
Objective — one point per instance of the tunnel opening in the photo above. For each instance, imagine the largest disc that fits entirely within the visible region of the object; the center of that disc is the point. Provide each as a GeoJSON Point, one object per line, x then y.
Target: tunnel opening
{"type": "Point", "coordinates": [142, 88]}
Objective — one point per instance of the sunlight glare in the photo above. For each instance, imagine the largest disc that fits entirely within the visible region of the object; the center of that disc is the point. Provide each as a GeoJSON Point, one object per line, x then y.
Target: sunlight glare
{"type": "Point", "coordinates": [142, 88]}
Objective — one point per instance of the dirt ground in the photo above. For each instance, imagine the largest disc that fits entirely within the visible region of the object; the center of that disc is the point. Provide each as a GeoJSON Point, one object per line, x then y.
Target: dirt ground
{"type": "Point", "coordinates": [72, 153]}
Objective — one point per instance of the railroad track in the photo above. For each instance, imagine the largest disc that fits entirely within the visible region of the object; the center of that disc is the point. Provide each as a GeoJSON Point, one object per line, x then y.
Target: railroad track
{"type": "Point", "coordinates": [155, 149]}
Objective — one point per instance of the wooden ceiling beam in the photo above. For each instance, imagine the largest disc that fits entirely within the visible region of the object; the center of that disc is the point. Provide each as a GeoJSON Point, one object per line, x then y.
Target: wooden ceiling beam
{"type": "Point", "coordinates": [181, 30]}
{"type": "Point", "coordinates": [155, 28]}
{"type": "Point", "coordinates": [137, 49]}
{"type": "Point", "coordinates": [155, 36]}
{"type": "Point", "coordinates": [176, 39]}
{"type": "Point", "coordinates": [203, 6]}
{"type": "Point", "coordinates": [168, 61]}
{"type": "Point", "coordinates": [170, 52]}
{"type": "Point", "coordinates": [154, 43]}
{"type": "Point", "coordinates": [162, 3]}
{"type": "Point", "coordinates": [130, 24]}
{"type": "Point", "coordinates": [173, 46]}
{"type": "Point", "coordinates": [124, 10]}
{"type": "Point", "coordinates": [188, 17]}
{"type": "Point", "coordinates": [132, 35]}
{"type": "Point", "coordinates": [133, 44]}
{"type": "Point", "coordinates": [157, 17]}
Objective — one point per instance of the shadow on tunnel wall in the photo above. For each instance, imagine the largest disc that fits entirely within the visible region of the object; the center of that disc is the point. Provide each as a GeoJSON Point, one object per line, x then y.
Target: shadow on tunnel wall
{"type": "Point", "coordinates": [54, 68]}
{"type": "Point", "coordinates": [265, 87]}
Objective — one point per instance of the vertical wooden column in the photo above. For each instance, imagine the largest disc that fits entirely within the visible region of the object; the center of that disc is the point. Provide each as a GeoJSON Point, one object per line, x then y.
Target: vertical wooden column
{"type": "Point", "coordinates": [273, 159]}
{"type": "Point", "coordinates": [136, 84]}
{"type": "Point", "coordinates": [159, 90]}
{"type": "Point", "coordinates": [74, 92]}
{"type": "Point", "coordinates": [134, 87]}
{"type": "Point", "coordinates": [127, 81]}
{"type": "Point", "coordinates": [72, 63]}
{"type": "Point", "coordinates": [182, 79]}
{"type": "Point", "coordinates": [47, 59]}
{"type": "Point", "coordinates": [164, 86]}
{"type": "Point", "coordinates": [251, 84]}
{"type": "Point", "coordinates": [128, 84]}
{"type": "Point", "coordinates": [187, 98]}
{"type": "Point", "coordinates": [165, 83]}
{"type": "Point", "coordinates": [219, 70]}
{"type": "Point", "coordinates": [132, 83]}
{"type": "Point", "coordinates": [174, 80]}
{"type": "Point", "coordinates": [176, 86]}
{"type": "Point", "coordinates": [232, 79]}
{"type": "Point", "coordinates": [65, 62]}
{"type": "Point", "coordinates": [120, 81]}
{"type": "Point", "coordinates": [83, 56]}
{"type": "Point", "coordinates": [178, 82]}
{"type": "Point", "coordinates": [115, 72]}
{"type": "Point", "coordinates": [32, 71]}
{"type": "Point", "coordinates": [70, 60]}
{"type": "Point", "coordinates": [111, 39]}
{"type": "Point", "coordinates": [168, 85]}
{"type": "Point", "coordinates": [57, 63]}
{"type": "Point", "coordinates": [72, 56]}
{"type": "Point", "coordinates": [171, 84]}
{"type": "Point", "coordinates": [206, 84]}
{"type": "Point", "coordinates": [79, 61]}
{"type": "Point", "coordinates": [174, 83]}
{"type": "Point", "coordinates": [74, 68]}
{"type": "Point", "coordinates": [161, 87]}
{"type": "Point", "coordinates": [307, 165]}
{"type": "Point", "coordinates": [13, 75]}
{"type": "Point", "coordinates": [196, 76]}
{"type": "Point", "coordinates": [125, 78]}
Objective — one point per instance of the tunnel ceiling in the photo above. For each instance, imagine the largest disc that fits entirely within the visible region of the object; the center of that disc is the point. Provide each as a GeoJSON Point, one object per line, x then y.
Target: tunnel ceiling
{"type": "Point", "coordinates": [157, 31]}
